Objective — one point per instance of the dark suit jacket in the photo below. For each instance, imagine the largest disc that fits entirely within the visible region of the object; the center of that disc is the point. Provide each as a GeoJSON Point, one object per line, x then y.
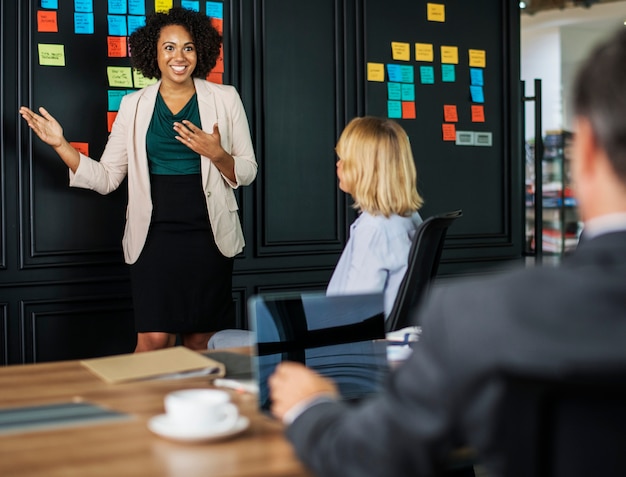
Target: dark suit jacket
{"type": "Point", "coordinates": [542, 320]}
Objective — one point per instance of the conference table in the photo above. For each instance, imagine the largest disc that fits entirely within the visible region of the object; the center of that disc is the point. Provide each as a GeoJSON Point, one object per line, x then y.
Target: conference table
{"type": "Point", "coordinates": [120, 448]}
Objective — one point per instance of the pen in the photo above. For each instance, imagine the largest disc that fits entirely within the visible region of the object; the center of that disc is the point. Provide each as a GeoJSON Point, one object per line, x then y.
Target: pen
{"type": "Point", "coordinates": [239, 386]}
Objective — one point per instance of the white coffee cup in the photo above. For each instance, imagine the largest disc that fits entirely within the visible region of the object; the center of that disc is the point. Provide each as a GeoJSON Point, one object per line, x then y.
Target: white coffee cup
{"type": "Point", "coordinates": [201, 410]}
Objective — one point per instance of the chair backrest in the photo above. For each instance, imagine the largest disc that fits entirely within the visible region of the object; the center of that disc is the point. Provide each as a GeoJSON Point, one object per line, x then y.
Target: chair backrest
{"type": "Point", "coordinates": [424, 257]}
{"type": "Point", "coordinates": [569, 427]}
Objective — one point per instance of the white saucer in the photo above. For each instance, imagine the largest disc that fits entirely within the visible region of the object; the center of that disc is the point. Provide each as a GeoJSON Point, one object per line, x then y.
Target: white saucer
{"type": "Point", "coordinates": [162, 426]}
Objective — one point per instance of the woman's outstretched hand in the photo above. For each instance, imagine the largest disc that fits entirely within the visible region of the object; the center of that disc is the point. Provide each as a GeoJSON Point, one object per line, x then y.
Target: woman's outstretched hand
{"type": "Point", "coordinates": [45, 126]}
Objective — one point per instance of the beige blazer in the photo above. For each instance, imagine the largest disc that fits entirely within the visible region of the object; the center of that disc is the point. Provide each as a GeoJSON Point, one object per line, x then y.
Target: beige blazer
{"type": "Point", "coordinates": [125, 154]}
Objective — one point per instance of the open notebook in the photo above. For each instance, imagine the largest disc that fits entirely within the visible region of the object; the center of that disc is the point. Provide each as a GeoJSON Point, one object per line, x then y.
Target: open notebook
{"type": "Point", "coordinates": [341, 337]}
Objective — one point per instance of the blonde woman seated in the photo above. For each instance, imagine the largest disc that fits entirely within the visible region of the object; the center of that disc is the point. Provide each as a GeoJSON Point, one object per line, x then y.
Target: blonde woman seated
{"type": "Point", "coordinates": [376, 167]}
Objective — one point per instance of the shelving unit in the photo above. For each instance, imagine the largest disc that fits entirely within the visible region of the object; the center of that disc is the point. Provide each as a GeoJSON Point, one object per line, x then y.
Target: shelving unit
{"type": "Point", "coordinates": [560, 220]}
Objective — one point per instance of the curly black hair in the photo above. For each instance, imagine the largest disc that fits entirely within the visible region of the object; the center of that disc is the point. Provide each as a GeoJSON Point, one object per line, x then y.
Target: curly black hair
{"type": "Point", "coordinates": [143, 41]}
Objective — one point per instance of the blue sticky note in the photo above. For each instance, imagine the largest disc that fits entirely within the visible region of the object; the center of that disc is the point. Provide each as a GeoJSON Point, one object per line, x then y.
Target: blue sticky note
{"type": "Point", "coordinates": [54, 4]}
{"type": "Point", "coordinates": [406, 73]}
{"type": "Point", "coordinates": [476, 76]}
{"type": "Point", "coordinates": [427, 74]}
{"type": "Point", "coordinates": [115, 98]}
{"type": "Point", "coordinates": [134, 22]}
{"type": "Point", "coordinates": [117, 25]}
{"type": "Point", "coordinates": [394, 109]}
{"type": "Point", "coordinates": [448, 73]}
{"type": "Point", "coordinates": [394, 91]}
{"type": "Point", "coordinates": [408, 92]}
{"type": "Point", "coordinates": [215, 10]}
{"type": "Point", "coordinates": [137, 7]}
{"type": "Point", "coordinates": [191, 5]}
{"type": "Point", "coordinates": [83, 6]}
{"type": "Point", "coordinates": [117, 7]}
{"type": "Point", "coordinates": [477, 94]}
{"type": "Point", "coordinates": [83, 23]}
{"type": "Point", "coordinates": [394, 73]}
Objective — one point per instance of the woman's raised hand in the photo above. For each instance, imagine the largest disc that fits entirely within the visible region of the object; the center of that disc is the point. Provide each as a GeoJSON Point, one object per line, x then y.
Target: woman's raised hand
{"type": "Point", "coordinates": [45, 126]}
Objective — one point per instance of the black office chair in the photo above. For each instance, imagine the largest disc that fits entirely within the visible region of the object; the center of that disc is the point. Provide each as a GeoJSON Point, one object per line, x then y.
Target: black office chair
{"type": "Point", "coordinates": [567, 427]}
{"type": "Point", "coordinates": [424, 257]}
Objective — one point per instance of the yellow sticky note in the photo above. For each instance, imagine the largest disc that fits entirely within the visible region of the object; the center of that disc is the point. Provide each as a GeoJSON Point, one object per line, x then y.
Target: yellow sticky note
{"type": "Point", "coordinates": [163, 6]}
{"type": "Point", "coordinates": [51, 55]}
{"type": "Point", "coordinates": [120, 76]}
{"type": "Point", "coordinates": [450, 54]}
{"type": "Point", "coordinates": [400, 51]}
{"type": "Point", "coordinates": [424, 52]}
{"type": "Point", "coordinates": [477, 58]}
{"type": "Point", "coordinates": [141, 81]}
{"type": "Point", "coordinates": [436, 12]}
{"type": "Point", "coordinates": [376, 72]}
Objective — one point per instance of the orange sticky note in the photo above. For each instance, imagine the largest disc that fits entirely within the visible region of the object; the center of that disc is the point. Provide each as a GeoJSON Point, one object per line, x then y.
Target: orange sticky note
{"type": "Point", "coordinates": [408, 110]}
{"type": "Point", "coordinates": [219, 64]}
{"type": "Point", "coordinates": [449, 132]}
{"type": "Point", "coordinates": [478, 113]}
{"type": "Point", "coordinates": [111, 115]}
{"type": "Point", "coordinates": [47, 21]}
{"type": "Point", "coordinates": [218, 24]}
{"type": "Point", "coordinates": [215, 78]}
{"type": "Point", "coordinates": [82, 147]}
{"type": "Point", "coordinates": [450, 114]}
{"type": "Point", "coordinates": [117, 46]}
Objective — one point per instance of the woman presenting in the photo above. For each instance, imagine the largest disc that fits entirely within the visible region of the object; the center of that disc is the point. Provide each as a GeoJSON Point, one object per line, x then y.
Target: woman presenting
{"type": "Point", "coordinates": [184, 144]}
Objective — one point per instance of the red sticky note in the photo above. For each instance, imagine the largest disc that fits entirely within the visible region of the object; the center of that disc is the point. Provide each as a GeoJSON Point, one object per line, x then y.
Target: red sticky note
{"type": "Point", "coordinates": [111, 115]}
{"type": "Point", "coordinates": [215, 78]}
{"type": "Point", "coordinates": [449, 132]}
{"type": "Point", "coordinates": [117, 46]}
{"type": "Point", "coordinates": [47, 21]}
{"type": "Point", "coordinates": [450, 114]}
{"type": "Point", "coordinates": [81, 147]}
{"type": "Point", "coordinates": [218, 24]}
{"type": "Point", "coordinates": [478, 113]}
{"type": "Point", "coordinates": [408, 110]}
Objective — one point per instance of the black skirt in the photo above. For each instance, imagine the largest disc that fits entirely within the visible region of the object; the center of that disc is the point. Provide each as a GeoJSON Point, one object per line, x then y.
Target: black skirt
{"type": "Point", "coordinates": [181, 282]}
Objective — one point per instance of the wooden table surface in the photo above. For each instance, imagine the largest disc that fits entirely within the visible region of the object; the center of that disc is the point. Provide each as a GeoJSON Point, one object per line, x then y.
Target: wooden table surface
{"type": "Point", "coordinates": [128, 448]}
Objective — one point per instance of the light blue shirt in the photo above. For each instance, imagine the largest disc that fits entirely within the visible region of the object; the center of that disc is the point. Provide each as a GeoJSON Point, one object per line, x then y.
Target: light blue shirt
{"type": "Point", "coordinates": [375, 258]}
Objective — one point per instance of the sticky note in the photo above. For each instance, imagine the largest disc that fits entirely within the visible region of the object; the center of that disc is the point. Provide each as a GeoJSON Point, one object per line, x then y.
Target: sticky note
{"type": "Point", "coordinates": [83, 23]}
{"type": "Point", "coordinates": [483, 138]}
{"type": "Point", "coordinates": [394, 91]}
{"type": "Point", "coordinates": [400, 51]}
{"type": "Point", "coordinates": [408, 92]}
{"type": "Point", "coordinates": [394, 73]}
{"type": "Point", "coordinates": [137, 7]}
{"type": "Point", "coordinates": [215, 78]}
{"type": "Point", "coordinates": [111, 115]}
{"type": "Point", "coordinates": [435, 12]}
{"type": "Point", "coordinates": [476, 76]}
{"type": "Point", "coordinates": [163, 6]}
{"type": "Point", "coordinates": [465, 138]}
{"type": "Point", "coordinates": [82, 147]}
{"type": "Point", "coordinates": [117, 7]}
{"type": "Point", "coordinates": [394, 109]}
{"type": "Point", "coordinates": [218, 24]}
{"type": "Point", "coordinates": [376, 72]}
{"type": "Point", "coordinates": [52, 4]}
{"type": "Point", "coordinates": [449, 132]}
{"type": "Point", "coordinates": [140, 81]}
{"type": "Point", "coordinates": [424, 52]}
{"type": "Point", "coordinates": [215, 9]}
{"type": "Point", "coordinates": [83, 6]}
{"type": "Point", "coordinates": [51, 55]}
{"type": "Point", "coordinates": [115, 98]}
{"type": "Point", "coordinates": [408, 110]}
{"type": "Point", "coordinates": [116, 46]}
{"type": "Point", "coordinates": [406, 74]}
{"type": "Point", "coordinates": [477, 94]}
{"type": "Point", "coordinates": [117, 25]}
{"type": "Point", "coordinates": [120, 76]}
{"type": "Point", "coordinates": [450, 54]}
{"type": "Point", "coordinates": [477, 58]}
{"type": "Point", "coordinates": [478, 113]}
{"type": "Point", "coordinates": [191, 5]}
{"type": "Point", "coordinates": [427, 74]}
{"type": "Point", "coordinates": [134, 22]}
{"type": "Point", "coordinates": [450, 113]}
{"type": "Point", "coordinates": [448, 73]}
{"type": "Point", "coordinates": [47, 21]}
{"type": "Point", "coordinates": [219, 63]}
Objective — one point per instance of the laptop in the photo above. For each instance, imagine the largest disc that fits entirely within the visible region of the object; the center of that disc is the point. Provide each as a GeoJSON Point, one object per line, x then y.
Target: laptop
{"type": "Point", "coordinates": [341, 337]}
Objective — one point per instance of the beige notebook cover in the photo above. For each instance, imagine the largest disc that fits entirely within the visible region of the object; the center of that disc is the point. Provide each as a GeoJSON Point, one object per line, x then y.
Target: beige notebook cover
{"type": "Point", "coordinates": [162, 364]}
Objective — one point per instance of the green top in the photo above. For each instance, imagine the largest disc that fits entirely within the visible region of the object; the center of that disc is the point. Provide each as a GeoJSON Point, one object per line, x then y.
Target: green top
{"type": "Point", "coordinates": [166, 155]}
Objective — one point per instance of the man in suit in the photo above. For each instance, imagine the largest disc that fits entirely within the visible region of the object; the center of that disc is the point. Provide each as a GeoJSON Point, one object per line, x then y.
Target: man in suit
{"type": "Point", "coordinates": [545, 321]}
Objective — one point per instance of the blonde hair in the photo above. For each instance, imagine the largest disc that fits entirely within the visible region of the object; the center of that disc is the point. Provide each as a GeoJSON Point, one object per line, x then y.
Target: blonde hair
{"type": "Point", "coordinates": [378, 167]}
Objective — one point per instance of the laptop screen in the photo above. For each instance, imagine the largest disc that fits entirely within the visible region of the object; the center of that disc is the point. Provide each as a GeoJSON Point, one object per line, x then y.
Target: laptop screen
{"type": "Point", "coordinates": [341, 337]}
